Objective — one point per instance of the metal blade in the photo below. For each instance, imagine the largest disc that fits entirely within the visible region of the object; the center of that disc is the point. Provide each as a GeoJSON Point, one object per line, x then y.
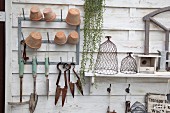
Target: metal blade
{"type": "Point", "coordinates": [57, 94]}
{"type": "Point", "coordinates": [79, 86]}
{"type": "Point", "coordinates": [64, 94]}
{"type": "Point", "coordinates": [33, 103]}
{"type": "Point", "coordinates": [47, 87]}
{"type": "Point", "coordinates": [71, 88]}
{"type": "Point", "coordinates": [20, 89]}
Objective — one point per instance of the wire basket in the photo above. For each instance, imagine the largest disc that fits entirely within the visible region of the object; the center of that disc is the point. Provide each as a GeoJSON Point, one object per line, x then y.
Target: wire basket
{"type": "Point", "coordinates": [107, 62]}
{"type": "Point", "coordinates": [128, 65]}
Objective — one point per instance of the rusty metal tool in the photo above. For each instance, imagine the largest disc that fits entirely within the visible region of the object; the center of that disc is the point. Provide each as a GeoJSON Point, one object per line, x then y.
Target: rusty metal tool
{"type": "Point", "coordinates": [47, 67]}
{"type": "Point", "coordinates": [33, 96]}
{"type": "Point", "coordinates": [64, 90]}
{"type": "Point", "coordinates": [21, 73]}
{"type": "Point", "coordinates": [60, 90]}
{"type": "Point", "coordinates": [71, 85]}
{"type": "Point", "coordinates": [78, 82]}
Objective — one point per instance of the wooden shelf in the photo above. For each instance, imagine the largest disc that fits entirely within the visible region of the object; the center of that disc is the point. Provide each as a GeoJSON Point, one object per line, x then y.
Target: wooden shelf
{"type": "Point", "coordinates": [138, 75]}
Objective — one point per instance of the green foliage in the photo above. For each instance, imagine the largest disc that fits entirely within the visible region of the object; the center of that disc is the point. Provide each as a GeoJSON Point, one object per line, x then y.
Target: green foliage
{"type": "Point", "coordinates": [93, 23]}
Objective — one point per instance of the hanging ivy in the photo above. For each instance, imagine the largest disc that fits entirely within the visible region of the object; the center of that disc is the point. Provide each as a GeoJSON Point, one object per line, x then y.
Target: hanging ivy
{"type": "Point", "coordinates": [93, 23]}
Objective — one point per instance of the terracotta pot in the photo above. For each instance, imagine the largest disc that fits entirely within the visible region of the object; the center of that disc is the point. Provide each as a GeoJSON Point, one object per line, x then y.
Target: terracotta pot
{"type": "Point", "coordinates": [73, 17]}
{"type": "Point", "coordinates": [60, 38]}
{"type": "Point", "coordinates": [34, 40]}
{"type": "Point", "coordinates": [73, 38]}
{"type": "Point", "coordinates": [49, 15]}
{"type": "Point", "coordinates": [35, 13]}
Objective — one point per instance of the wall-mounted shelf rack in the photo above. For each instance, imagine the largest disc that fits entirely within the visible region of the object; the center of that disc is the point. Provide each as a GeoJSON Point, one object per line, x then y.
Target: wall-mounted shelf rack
{"type": "Point", "coordinates": [21, 19]}
{"type": "Point", "coordinates": [121, 75]}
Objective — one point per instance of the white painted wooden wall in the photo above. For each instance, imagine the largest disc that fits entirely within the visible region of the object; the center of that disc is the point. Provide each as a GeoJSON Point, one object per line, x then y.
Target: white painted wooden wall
{"type": "Point", "coordinates": [123, 21]}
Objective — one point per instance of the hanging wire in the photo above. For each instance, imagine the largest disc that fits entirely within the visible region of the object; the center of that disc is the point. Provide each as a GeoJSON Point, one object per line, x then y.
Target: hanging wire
{"type": "Point", "coordinates": [107, 62]}
{"type": "Point", "coordinates": [128, 65]}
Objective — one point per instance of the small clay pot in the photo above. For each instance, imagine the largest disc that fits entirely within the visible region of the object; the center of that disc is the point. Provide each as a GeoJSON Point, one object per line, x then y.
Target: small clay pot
{"type": "Point", "coordinates": [73, 38]}
{"type": "Point", "coordinates": [60, 38]}
{"type": "Point", "coordinates": [49, 15]}
{"type": "Point", "coordinates": [34, 40]}
{"type": "Point", "coordinates": [73, 17]}
{"type": "Point", "coordinates": [35, 13]}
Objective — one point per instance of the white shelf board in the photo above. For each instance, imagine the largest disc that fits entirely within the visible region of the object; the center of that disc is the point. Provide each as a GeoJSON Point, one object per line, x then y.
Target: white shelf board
{"type": "Point", "coordinates": [138, 75]}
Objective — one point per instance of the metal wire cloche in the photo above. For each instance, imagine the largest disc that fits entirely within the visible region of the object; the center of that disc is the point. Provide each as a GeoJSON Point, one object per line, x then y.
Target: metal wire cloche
{"type": "Point", "coordinates": [128, 65]}
{"type": "Point", "coordinates": [107, 62]}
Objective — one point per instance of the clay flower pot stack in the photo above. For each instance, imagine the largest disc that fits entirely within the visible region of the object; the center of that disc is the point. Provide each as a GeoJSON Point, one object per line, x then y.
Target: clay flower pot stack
{"type": "Point", "coordinates": [73, 38]}
{"type": "Point", "coordinates": [73, 17]}
{"type": "Point", "coordinates": [34, 40]}
{"type": "Point", "coordinates": [35, 13]}
{"type": "Point", "coordinates": [49, 15]}
{"type": "Point", "coordinates": [60, 38]}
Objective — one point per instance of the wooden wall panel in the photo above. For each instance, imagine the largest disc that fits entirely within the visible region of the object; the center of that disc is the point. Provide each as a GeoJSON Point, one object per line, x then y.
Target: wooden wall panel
{"type": "Point", "coordinates": [123, 21]}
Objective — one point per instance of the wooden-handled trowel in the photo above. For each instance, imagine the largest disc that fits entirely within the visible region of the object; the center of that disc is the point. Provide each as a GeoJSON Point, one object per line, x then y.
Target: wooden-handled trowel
{"type": "Point", "coordinates": [33, 96]}
{"type": "Point", "coordinates": [47, 66]}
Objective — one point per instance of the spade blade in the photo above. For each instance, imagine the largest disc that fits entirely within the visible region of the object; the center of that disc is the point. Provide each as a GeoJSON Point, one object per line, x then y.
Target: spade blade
{"type": "Point", "coordinates": [64, 93]}
{"type": "Point", "coordinates": [71, 88]}
{"type": "Point", "coordinates": [79, 86]}
{"type": "Point", "coordinates": [33, 102]}
{"type": "Point", "coordinates": [57, 94]}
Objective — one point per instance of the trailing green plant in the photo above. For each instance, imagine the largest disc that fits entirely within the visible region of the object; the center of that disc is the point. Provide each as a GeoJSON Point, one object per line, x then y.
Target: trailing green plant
{"type": "Point", "coordinates": [93, 23]}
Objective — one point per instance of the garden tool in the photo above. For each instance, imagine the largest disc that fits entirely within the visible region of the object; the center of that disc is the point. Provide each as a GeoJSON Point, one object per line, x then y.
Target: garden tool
{"type": "Point", "coordinates": [21, 73]}
{"type": "Point", "coordinates": [47, 67]}
{"type": "Point", "coordinates": [59, 89]}
{"type": "Point", "coordinates": [78, 83]}
{"type": "Point", "coordinates": [33, 96]}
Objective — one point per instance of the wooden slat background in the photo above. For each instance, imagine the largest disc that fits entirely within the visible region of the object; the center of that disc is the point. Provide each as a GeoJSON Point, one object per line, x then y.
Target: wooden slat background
{"type": "Point", "coordinates": [123, 21]}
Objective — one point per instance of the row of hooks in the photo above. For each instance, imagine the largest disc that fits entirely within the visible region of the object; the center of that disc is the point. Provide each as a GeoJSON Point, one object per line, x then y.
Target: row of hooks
{"type": "Point", "coordinates": [61, 18]}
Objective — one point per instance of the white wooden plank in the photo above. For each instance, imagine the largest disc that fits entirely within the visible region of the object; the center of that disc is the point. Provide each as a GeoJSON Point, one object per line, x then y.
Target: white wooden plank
{"type": "Point", "coordinates": [41, 85]}
{"type": "Point", "coordinates": [116, 3]}
{"type": "Point", "coordinates": [135, 88]}
{"type": "Point", "coordinates": [132, 12]}
{"type": "Point", "coordinates": [78, 104]}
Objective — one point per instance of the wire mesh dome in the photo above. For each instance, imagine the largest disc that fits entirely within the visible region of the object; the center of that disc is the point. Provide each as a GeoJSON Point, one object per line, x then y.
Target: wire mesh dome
{"type": "Point", "coordinates": [107, 62]}
{"type": "Point", "coordinates": [128, 65]}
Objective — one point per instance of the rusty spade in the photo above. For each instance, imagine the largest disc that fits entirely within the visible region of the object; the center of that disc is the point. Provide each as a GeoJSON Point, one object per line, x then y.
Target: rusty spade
{"type": "Point", "coordinates": [33, 96]}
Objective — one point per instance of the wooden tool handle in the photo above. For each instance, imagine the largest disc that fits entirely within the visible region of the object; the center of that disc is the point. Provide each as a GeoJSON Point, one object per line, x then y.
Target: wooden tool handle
{"type": "Point", "coordinates": [46, 66]}
{"type": "Point", "coordinates": [21, 68]}
{"type": "Point", "coordinates": [34, 66]}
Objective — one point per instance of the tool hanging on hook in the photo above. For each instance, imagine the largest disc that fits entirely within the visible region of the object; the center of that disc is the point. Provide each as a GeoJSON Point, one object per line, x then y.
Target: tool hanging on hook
{"type": "Point", "coordinates": [21, 73]}
{"type": "Point", "coordinates": [47, 66]}
{"type": "Point", "coordinates": [33, 96]}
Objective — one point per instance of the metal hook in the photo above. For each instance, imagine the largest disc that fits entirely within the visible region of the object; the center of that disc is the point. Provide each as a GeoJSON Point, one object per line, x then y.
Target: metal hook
{"type": "Point", "coordinates": [109, 89]}
{"type": "Point", "coordinates": [48, 37]}
{"type": "Point", "coordinates": [61, 15]}
{"type": "Point", "coordinates": [23, 13]}
{"type": "Point", "coordinates": [60, 59]}
{"type": "Point", "coordinates": [128, 89]}
{"type": "Point", "coordinates": [22, 35]}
